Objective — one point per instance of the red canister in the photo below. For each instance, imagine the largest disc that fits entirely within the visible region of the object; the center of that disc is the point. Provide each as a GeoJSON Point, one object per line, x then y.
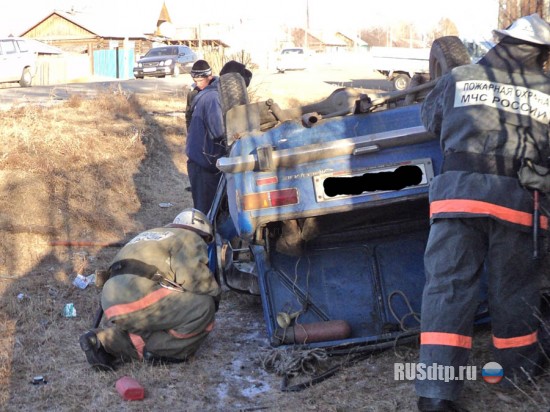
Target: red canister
{"type": "Point", "coordinates": [130, 389]}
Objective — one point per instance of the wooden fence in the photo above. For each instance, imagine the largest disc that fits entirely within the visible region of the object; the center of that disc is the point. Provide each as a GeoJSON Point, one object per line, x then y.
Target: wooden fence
{"type": "Point", "coordinates": [71, 68]}
{"type": "Point", "coordinates": [60, 69]}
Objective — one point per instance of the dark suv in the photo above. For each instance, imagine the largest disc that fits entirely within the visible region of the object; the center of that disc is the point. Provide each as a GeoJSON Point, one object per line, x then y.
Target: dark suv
{"type": "Point", "coordinates": [165, 60]}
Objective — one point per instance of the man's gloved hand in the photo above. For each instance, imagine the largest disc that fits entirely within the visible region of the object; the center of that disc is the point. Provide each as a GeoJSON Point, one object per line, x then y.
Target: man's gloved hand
{"type": "Point", "coordinates": [534, 177]}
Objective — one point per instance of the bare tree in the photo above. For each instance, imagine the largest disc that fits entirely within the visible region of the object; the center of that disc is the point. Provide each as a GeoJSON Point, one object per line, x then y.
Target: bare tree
{"type": "Point", "coordinates": [445, 27]}
{"type": "Point", "coordinates": [376, 36]}
{"type": "Point", "coordinates": [406, 35]}
{"type": "Point", "coordinates": [511, 10]}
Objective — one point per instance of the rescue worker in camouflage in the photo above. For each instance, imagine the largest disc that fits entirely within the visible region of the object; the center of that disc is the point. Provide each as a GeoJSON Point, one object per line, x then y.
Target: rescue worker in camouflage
{"type": "Point", "coordinates": [160, 299]}
{"type": "Point", "coordinates": [491, 117]}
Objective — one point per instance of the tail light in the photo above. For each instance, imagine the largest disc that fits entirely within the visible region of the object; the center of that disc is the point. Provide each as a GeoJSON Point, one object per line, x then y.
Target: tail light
{"type": "Point", "coordinates": [272, 198]}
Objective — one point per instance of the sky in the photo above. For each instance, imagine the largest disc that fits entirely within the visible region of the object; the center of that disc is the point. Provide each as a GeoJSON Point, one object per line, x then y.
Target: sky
{"type": "Point", "coordinates": [473, 18]}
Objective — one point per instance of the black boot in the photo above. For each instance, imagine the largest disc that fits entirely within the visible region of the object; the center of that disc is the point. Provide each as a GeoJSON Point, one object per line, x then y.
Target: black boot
{"type": "Point", "coordinates": [159, 360]}
{"type": "Point", "coordinates": [96, 355]}
{"type": "Point", "coordinates": [438, 405]}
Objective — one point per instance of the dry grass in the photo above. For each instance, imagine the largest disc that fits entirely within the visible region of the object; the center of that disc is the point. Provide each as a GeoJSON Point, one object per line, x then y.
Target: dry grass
{"type": "Point", "coordinates": [96, 170]}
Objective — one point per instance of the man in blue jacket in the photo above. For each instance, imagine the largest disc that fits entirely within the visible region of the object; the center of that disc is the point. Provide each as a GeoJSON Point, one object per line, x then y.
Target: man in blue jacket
{"type": "Point", "coordinates": [206, 140]}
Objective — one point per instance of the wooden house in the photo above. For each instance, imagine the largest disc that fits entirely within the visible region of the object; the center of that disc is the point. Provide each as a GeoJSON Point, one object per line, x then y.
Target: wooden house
{"type": "Point", "coordinates": [79, 33]}
{"type": "Point", "coordinates": [352, 41]}
{"type": "Point", "coordinates": [317, 41]}
{"type": "Point", "coordinates": [112, 40]}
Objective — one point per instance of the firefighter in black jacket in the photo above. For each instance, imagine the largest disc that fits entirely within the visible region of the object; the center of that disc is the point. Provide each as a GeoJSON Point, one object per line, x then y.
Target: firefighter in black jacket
{"type": "Point", "coordinates": [161, 297]}
{"type": "Point", "coordinates": [492, 119]}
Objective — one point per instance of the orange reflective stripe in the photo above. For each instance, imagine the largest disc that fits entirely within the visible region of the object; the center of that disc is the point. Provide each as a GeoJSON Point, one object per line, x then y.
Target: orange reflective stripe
{"type": "Point", "coordinates": [476, 206]}
{"type": "Point", "coordinates": [447, 339]}
{"type": "Point", "coordinates": [516, 342]}
{"type": "Point", "coordinates": [138, 343]}
{"type": "Point", "coordinates": [210, 327]}
{"type": "Point", "coordinates": [147, 300]}
{"type": "Point", "coordinates": [178, 335]}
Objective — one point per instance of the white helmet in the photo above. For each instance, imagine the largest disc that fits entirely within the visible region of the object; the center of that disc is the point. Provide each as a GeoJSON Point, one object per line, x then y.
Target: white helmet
{"type": "Point", "coordinates": [532, 29]}
{"type": "Point", "coordinates": [196, 221]}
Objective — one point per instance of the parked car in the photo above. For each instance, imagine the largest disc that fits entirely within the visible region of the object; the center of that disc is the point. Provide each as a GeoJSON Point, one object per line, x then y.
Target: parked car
{"type": "Point", "coordinates": [291, 59]}
{"type": "Point", "coordinates": [400, 64]}
{"type": "Point", "coordinates": [165, 60]}
{"type": "Point", "coordinates": [17, 61]}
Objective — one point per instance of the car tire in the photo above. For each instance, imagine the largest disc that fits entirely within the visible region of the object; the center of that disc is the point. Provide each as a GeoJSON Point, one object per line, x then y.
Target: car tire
{"type": "Point", "coordinates": [26, 78]}
{"type": "Point", "coordinates": [446, 53]}
{"type": "Point", "coordinates": [139, 77]}
{"type": "Point", "coordinates": [232, 90]}
{"type": "Point", "coordinates": [401, 81]}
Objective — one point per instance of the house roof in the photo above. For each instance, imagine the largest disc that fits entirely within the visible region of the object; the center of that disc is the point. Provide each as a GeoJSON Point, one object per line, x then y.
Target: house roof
{"type": "Point", "coordinates": [352, 38]}
{"type": "Point", "coordinates": [325, 39]}
{"type": "Point", "coordinates": [211, 35]}
{"type": "Point", "coordinates": [108, 25]}
{"type": "Point", "coordinates": [331, 39]}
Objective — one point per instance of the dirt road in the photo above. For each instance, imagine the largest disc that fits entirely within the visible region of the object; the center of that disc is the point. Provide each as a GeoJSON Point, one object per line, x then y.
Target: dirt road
{"type": "Point", "coordinates": [316, 83]}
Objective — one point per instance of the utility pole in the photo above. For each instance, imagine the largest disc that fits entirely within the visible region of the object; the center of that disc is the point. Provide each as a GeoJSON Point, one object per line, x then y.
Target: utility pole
{"type": "Point", "coordinates": [307, 26]}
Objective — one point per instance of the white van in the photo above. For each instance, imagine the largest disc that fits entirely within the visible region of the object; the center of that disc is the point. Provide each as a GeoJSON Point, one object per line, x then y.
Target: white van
{"type": "Point", "coordinates": [17, 61]}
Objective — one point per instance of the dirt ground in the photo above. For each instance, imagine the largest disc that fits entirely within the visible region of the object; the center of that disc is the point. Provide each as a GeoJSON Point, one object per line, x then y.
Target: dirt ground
{"type": "Point", "coordinates": [97, 171]}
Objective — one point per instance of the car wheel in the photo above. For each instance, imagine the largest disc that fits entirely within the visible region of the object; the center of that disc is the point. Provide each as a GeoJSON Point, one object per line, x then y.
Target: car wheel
{"type": "Point", "coordinates": [139, 77]}
{"type": "Point", "coordinates": [447, 52]}
{"type": "Point", "coordinates": [401, 81]}
{"type": "Point", "coordinates": [177, 71]}
{"type": "Point", "coordinates": [26, 78]}
{"type": "Point", "coordinates": [232, 90]}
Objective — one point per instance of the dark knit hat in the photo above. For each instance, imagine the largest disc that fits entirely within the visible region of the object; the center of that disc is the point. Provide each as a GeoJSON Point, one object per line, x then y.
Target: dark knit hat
{"type": "Point", "coordinates": [201, 68]}
{"type": "Point", "coordinates": [233, 66]}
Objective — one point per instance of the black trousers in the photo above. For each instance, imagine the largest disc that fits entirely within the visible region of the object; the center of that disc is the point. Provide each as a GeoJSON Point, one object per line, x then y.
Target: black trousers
{"type": "Point", "coordinates": [204, 185]}
{"type": "Point", "coordinates": [458, 252]}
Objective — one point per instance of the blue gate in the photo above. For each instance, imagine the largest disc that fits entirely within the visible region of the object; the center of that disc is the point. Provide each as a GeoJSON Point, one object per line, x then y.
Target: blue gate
{"type": "Point", "coordinates": [117, 63]}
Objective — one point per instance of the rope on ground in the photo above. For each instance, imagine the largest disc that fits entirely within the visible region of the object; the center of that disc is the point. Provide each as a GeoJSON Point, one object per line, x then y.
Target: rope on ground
{"type": "Point", "coordinates": [295, 362]}
{"type": "Point", "coordinates": [313, 363]}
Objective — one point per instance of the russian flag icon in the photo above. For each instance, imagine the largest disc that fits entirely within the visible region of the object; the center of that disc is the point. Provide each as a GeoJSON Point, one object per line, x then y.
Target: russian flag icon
{"type": "Point", "coordinates": [492, 372]}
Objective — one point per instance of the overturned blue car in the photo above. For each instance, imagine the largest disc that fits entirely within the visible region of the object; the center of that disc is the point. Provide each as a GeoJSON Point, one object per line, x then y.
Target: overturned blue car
{"type": "Point", "coordinates": [323, 211]}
